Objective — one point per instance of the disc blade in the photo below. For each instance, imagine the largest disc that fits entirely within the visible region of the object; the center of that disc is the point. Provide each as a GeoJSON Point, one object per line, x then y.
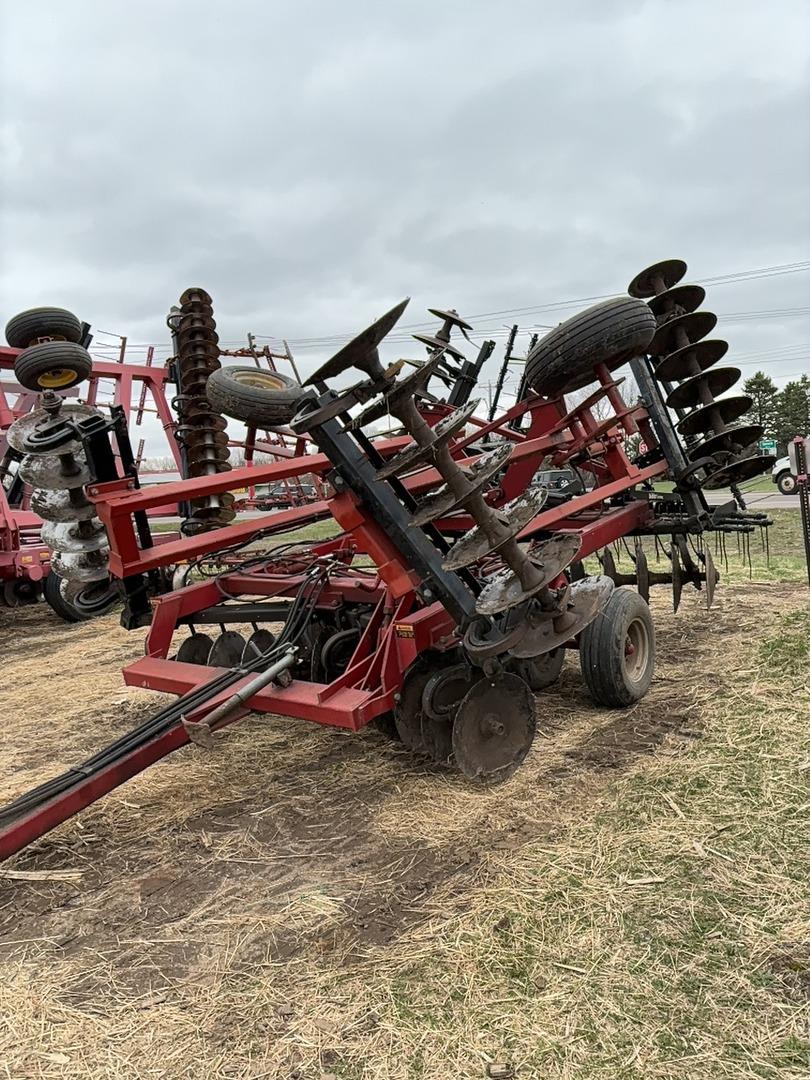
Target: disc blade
{"type": "Point", "coordinates": [681, 331]}
{"type": "Point", "coordinates": [494, 728]}
{"type": "Point", "coordinates": [45, 471]}
{"type": "Point", "coordinates": [716, 416]}
{"type": "Point", "coordinates": [445, 501]}
{"type": "Point", "coordinates": [549, 558]}
{"type": "Point", "coordinates": [668, 272]}
{"type": "Point", "coordinates": [259, 642]}
{"type": "Point", "coordinates": [735, 472]}
{"type": "Point", "coordinates": [67, 537]}
{"type": "Point", "coordinates": [226, 652]}
{"type": "Point", "coordinates": [713, 383]}
{"type": "Point", "coordinates": [30, 434]}
{"type": "Point", "coordinates": [84, 566]}
{"type": "Point", "coordinates": [361, 351]}
{"type": "Point", "coordinates": [443, 432]}
{"type": "Point", "coordinates": [691, 360]}
{"type": "Point", "coordinates": [195, 649]}
{"type": "Point", "coordinates": [514, 517]}
{"type": "Point", "coordinates": [680, 299]}
{"type": "Point", "coordinates": [732, 440]}
{"type": "Point", "coordinates": [587, 598]}
{"type": "Point", "coordinates": [437, 343]}
{"type": "Point", "coordinates": [57, 506]}
{"type": "Point", "coordinates": [450, 316]}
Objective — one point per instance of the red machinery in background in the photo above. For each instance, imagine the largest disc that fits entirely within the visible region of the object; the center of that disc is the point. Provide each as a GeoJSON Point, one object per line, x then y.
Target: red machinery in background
{"type": "Point", "coordinates": [456, 586]}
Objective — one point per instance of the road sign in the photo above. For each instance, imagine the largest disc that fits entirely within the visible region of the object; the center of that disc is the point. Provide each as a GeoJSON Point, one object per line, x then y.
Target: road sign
{"type": "Point", "coordinates": [767, 446]}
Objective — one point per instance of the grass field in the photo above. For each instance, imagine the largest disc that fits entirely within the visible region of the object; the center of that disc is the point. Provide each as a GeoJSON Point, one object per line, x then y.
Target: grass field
{"type": "Point", "coordinates": [305, 904]}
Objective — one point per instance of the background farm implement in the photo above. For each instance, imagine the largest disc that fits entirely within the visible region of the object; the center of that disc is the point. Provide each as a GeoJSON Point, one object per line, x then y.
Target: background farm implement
{"type": "Point", "coordinates": [456, 584]}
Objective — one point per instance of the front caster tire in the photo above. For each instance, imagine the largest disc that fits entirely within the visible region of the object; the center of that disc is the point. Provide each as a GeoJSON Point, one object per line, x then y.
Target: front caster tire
{"type": "Point", "coordinates": [617, 651]}
{"type": "Point", "coordinates": [53, 365]}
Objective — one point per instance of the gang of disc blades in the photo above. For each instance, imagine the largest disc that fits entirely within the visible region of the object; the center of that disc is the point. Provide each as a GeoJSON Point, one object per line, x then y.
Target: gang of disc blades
{"type": "Point", "coordinates": [735, 472]}
{"type": "Point", "coordinates": [416, 455]}
{"type": "Point", "coordinates": [57, 506]}
{"type": "Point", "coordinates": [691, 360]}
{"type": "Point", "coordinates": [65, 536]}
{"type": "Point", "coordinates": [716, 381]}
{"type": "Point", "coordinates": [361, 351]}
{"type": "Point", "coordinates": [226, 652]}
{"type": "Point", "coordinates": [549, 558]}
{"type": "Point", "coordinates": [437, 343]}
{"type": "Point", "coordinates": [413, 383]}
{"type": "Point", "coordinates": [259, 642]}
{"type": "Point", "coordinates": [732, 440]}
{"type": "Point", "coordinates": [687, 297]}
{"type": "Point", "coordinates": [644, 284]}
{"type": "Point", "coordinates": [514, 517]}
{"type": "Point", "coordinates": [696, 325]}
{"type": "Point", "coordinates": [444, 501]}
{"type": "Point", "coordinates": [85, 566]}
{"type": "Point", "coordinates": [587, 598]}
{"type": "Point", "coordinates": [195, 649]}
{"type": "Point", "coordinates": [494, 728]}
{"type": "Point", "coordinates": [22, 435]}
{"type": "Point", "coordinates": [45, 471]}
{"type": "Point", "coordinates": [728, 409]}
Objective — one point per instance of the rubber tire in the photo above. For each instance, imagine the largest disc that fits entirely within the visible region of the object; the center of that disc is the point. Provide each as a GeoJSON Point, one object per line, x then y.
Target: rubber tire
{"type": "Point", "coordinates": [602, 651]}
{"type": "Point", "coordinates": [541, 671]}
{"type": "Point", "coordinates": [38, 361]}
{"type": "Point", "coordinates": [786, 482]}
{"type": "Point", "coordinates": [258, 406]}
{"type": "Point", "coordinates": [609, 333]}
{"type": "Point", "coordinates": [42, 322]}
{"type": "Point", "coordinates": [62, 607]}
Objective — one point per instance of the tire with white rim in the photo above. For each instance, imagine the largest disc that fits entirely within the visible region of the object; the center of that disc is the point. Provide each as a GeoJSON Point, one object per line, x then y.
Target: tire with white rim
{"type": "Point", "coordinates": [617, 651]}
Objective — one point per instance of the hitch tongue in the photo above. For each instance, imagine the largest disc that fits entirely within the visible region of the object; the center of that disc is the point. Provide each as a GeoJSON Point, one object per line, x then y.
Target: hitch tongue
{"type": "Point", "coordinates": [201, 732]}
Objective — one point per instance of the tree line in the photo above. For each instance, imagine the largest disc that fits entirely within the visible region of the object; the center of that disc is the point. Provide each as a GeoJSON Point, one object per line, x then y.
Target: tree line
{"type": "Point", "coordinates": [783, 414]}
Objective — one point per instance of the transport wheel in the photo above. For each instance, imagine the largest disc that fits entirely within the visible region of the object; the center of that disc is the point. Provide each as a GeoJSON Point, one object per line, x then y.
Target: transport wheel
{"type": "Point", "coordinates": [78, 602]}
{"type": "Point", "coordinates": [53, 365]}
{"type": "Point", "coordinates": [29, 326]}
{"type": "Point", "coordinates": [494, 728]}
{"type": "Point", "coordinates": [540, 671]}
{"type": "Point", "coordinates": [609, 333]}
{"type": "Point", "coordinates": [786, 483]}
{"type": "Point", "coordinates": [617, 651]}
{"type": "Point", "coordinates": [254, 395]}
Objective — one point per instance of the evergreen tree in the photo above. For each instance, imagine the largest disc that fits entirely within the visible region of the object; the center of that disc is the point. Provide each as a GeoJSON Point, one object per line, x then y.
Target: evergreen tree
{"type": "Point", "coordinates": [792, 412]}
{"type": "Point", "coordinates": [763, 390]}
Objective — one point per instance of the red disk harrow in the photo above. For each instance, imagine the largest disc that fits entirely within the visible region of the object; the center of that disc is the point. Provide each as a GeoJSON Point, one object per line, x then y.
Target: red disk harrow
{"type": "Point", "coordinates": [456, 583]}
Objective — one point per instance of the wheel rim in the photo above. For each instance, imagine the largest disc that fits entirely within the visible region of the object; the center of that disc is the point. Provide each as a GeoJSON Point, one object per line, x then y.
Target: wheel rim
{"type": "Point", "coordinates": [57, 378]}
{"type": "Point", "coordinates": [636, 650]}
{"type": "Point", "coordinates": [264, 380]}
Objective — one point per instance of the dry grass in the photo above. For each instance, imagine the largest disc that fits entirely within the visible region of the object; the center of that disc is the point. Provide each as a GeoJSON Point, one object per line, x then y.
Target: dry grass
{"type": "Point", "coordinates": [306, 903]}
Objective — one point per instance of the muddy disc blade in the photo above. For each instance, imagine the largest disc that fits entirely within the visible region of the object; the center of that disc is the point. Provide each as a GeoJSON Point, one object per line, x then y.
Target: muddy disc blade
{"type": "Point", "coordinates": [682, 330]}
{"type": "Point", "coordinates": [587, 598]}
{"type": "Point", "coordinates": [721, 412]}
{"type": "Point", "coordinates": [480, 541]}
{"type": "Point", "coordinates": [408, 710]}
{"type": "Point", "coordinates": [34, 433]}
{"type": "Point", "coordinates": [650, 281]}
{"type": "Point", "coordinates": [195, 649]}
{"type": "Point", "coordinates": [46, 471]}
{"type": "Point", "coordinates": [85, 566]}
{"type": "Point", "coordinates": [450, 316]}
{"type": "Point", "coordinates": [361, 351]}
{"type": "Point", "coordinates": [66, 536]}
{"type": "Point", "coordinates": [437, 343]}
{"type": "Point", "coordinates": [735, 472]}
{"type": "Point", "coordinates": [712, 577]}
{"type": "Point", "coordinates": [445, 501]}
{"type": "Point", "coordinates": [714, 382]}
{"type": "Point", "coordinates": [226, 652]}
{"type": "Point", "coordinates": [549, 558]}
{"type": "Point", "coordinates": [58, 506]}
{"type": "Point", "coordinates": [642, 575]}
{"type": "Point", "coordinates": [680, 299]}
{"type": "Point", "coordinates": [443, 432]}
{"type": "Point", "coordinates": [732, 440]}
{"type": "Point", "coordinates": [678, 578]}
{"type": "Point", "coordinates": [494, 728]}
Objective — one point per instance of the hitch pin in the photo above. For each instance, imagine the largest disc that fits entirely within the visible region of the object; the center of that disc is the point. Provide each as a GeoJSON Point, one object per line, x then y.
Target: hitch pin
{"type": "Point", "coordinates": [200, 732]}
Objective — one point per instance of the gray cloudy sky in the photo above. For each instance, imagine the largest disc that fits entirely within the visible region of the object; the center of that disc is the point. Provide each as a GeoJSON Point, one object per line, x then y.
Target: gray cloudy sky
{"type": "Point", "coordinates": [310, 163]}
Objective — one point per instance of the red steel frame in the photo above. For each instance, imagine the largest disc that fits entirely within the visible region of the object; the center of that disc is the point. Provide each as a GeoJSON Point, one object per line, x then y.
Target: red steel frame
{"type": "Point", "coordinates": [399, 629]}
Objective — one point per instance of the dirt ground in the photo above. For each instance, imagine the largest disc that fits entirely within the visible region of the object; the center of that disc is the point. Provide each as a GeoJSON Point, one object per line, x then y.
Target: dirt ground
{"type": "Point", "coordinates": [251, 911]}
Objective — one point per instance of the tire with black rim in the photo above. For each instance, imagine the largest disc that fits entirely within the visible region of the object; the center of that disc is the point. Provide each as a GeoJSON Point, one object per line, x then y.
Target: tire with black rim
{"type": "Point", "coordinates": [43, 322]}
{"type": "Point", "coordinates": [540, 672]}
{"type": "Point", "coordinates": [91, 601]}
{"type": "Point", "coordinates": [786, 482]}
{"type": "Point", "coordinates": [617, 651]}
{"type": "Point", "coordinates": [610, 333]}
{"type": "Point", "coordinates": [253, 395]}
{"type": "Point", "coordinates": [53, 365]}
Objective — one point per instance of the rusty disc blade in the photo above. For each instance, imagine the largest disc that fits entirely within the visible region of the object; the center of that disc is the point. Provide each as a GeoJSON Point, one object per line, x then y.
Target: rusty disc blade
{"type": "Point", "coordinates": [713, 382]}
{"type": "Point", "coordinates": [680, 300]}
{"type": "Point", "coordinates": [45, 471]}
{"type": "Point", "coordinates": [494, 728]}
{"type": "Point", "coordinates": [512, 518]}
{"type": "Point", "coordinates": [716, 416]}
{"type": "Point", "coordinates": [587, 598]}
{"type": "Point", "coordinates": [648, 282]}
{"type": "Point", "coordinates": [735, 472]}
{"type": "Point", "coordinates": [408, 709]}
{"type": "Point", "coordinates": [444, 501]}
{"type": "Point", "coordinates": [549, 558]}
{"type": "Point", "coordinates": [30, 434]}
{"type": "Point", "coordinates": [670, 335]}
{"type": "Point", "coordinates": [195, 649]}
{"type": "Point", "coordinates": [443, 432]}
{"type": "Point", "coordinates": [361, 351]}
{"type": "Point", "coordinates": [691, 360]}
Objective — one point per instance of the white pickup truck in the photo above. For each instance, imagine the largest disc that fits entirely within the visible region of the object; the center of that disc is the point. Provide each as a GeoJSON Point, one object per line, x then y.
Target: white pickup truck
{"type": "Point", "coordinates": [783, 477]}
